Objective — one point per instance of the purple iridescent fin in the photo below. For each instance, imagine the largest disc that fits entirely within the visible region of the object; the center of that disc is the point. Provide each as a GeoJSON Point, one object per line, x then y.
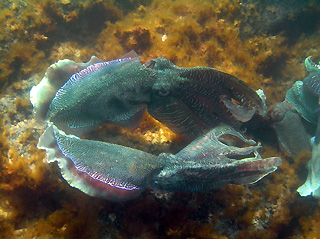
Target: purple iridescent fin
{"type": "Point", "coordinates": [81, 76]}
{"type": "Point", "coordinates": [115, 165]}
{"type": "Point", "coordinates": [212, 161]}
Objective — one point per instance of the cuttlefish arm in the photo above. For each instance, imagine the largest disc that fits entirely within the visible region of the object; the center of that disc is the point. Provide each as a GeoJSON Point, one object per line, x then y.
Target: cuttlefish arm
{"type": "Point", "coordinates": [200, 97]}
{"type": "Point", "coordinates": [213, 161]}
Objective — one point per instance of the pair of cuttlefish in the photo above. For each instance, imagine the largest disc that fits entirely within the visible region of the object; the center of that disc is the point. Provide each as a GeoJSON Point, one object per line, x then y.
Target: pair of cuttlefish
{"type": "Point", "coordinates": [199, 103]}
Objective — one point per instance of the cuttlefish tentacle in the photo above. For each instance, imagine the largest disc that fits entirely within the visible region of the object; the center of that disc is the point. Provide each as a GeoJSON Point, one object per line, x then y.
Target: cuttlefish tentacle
{"type": "Point", "coordinates": [289, 127]}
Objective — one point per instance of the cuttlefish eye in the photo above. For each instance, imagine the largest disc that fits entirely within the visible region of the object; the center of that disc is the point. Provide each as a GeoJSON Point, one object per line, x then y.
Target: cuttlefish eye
{"type": "Point", "coordinates": [150, 64]}
{"type": "Point", "coordinates": [163, 92]}
{"type": "Point", "coordinates": [161, 89]}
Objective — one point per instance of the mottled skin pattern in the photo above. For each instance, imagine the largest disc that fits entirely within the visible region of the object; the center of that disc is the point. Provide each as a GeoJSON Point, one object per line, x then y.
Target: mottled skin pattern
{"type": "Point", "coordinates": [193, 102]}
{"type": "Point", "coordinates": [111, 94]}
{"type": "Point", "coordinates": [190, 101]}
{"type": "Point", "coordinates": [293, 120]}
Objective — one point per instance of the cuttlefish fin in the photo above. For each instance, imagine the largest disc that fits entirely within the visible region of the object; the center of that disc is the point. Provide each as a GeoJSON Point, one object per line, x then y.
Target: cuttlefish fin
{"type": "Point", "coordinates": [97, 168]}
{"type": "Point", "coordinates": [84, 86]}
{"type": "Point", "coordinates": [56, 76]}
{"type": "Point", "coordinates": [82, 75]}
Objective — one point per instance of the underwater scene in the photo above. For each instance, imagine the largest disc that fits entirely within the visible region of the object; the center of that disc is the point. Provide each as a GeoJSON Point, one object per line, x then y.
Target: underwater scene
{"type": "Point", "coordinates": [160, 119]}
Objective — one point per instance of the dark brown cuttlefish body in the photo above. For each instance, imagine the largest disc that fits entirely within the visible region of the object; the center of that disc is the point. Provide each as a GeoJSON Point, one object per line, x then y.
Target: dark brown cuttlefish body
{"type": "Point", "coordinates": [191, 101]}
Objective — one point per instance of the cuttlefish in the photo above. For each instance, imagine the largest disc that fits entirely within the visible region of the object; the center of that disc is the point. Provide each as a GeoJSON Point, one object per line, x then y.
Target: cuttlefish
{"type": "Point", "coordinates": [296, 120]}
{"type": "Point", "coordinates": [75, 98]}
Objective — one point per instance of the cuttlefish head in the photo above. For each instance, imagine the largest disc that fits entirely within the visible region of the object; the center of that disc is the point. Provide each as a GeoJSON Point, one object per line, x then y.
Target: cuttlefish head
{"type": "Point", "coordinates": [221, 156]}
{"type": "Point", "coordinates": [191, 101]}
